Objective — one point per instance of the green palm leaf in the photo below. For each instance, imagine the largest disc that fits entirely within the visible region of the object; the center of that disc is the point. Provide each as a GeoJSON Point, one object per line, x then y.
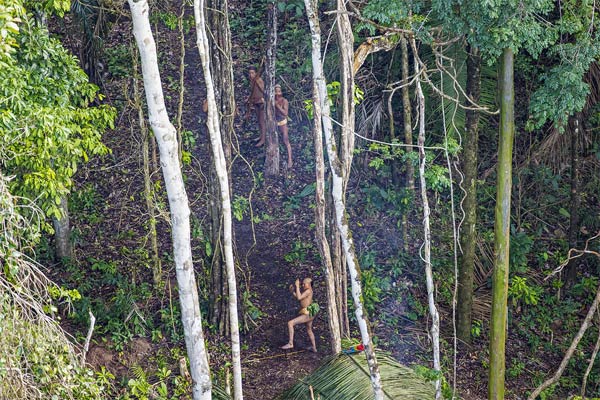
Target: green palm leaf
{"type": "Point", "coordinates": [219, 394]}
{"type": "Point", "coordinates": [454, 114]}
{"type": "Point", "coordinates": [346, 377]}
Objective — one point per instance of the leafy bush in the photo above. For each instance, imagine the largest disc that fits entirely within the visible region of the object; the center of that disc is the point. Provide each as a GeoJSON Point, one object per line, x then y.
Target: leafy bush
{"type": "Point", "coordinates": [521, 292]}
{"type": "Point", "coordinates": [370, 290]}
{"type": "Point", "coordinates": [520, 246]}
{"type": "Point", "coordinates": [37, 361]}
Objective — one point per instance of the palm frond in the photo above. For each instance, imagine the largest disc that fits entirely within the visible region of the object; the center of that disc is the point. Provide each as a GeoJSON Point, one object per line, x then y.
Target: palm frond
{"type": "Point", "coordinates": [369, 115]}
{"type": "Point", "coordinates": [346, 377]}
{"type": "Point", "coordinates": [452, 82]}
{"type": "Point", "coordinates": [219, 394]}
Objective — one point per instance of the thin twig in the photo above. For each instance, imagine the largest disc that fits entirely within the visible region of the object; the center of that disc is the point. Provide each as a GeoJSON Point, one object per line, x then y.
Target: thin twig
{"type": "Point", "coordinates": [88, 338]}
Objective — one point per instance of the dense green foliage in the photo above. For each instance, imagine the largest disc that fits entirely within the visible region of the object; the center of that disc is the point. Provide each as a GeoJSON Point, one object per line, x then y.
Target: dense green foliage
{"type": "Point", "coordinates": [37, 360]}
{"type": "Point", "coordinates": [11, 12]}
{"type": "Point", "coordinates": [47, 125]}
{"type": "Point", "coordinates": [46, 128]}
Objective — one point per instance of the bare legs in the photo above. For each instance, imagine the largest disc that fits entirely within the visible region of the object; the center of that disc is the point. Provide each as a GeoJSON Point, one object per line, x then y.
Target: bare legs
{"type": "Point", "coordinates": [311, 335]}
{"type": "Point", "coordinates": [286, 141]}
{"type": "Point", "coordinates": [284, 131]}
{"type": "Point", "coordinates": [301, 319]}
{"type": "Point", "coordinates": [260, 116]}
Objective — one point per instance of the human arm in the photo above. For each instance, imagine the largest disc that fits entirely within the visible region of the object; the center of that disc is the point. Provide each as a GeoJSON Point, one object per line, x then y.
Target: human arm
{"type": "Point", "coordinates": [260, 84]}
{"type": "Point", "coordinates": [297, 293]}
{"type": "Point", "coordinates": [283, 108]}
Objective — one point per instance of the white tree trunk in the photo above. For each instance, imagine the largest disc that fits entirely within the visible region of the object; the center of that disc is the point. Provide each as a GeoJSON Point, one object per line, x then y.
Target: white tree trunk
{"type": "Point", "coordinates": [435, 318]}
{"type": "Point", "coordinates": [166, 137]}
{"type": "Point", "coordinates": [272, 137]}
{"type": "Point", "coordinates": [346, 49]}
{"type": "Point", "coordinates": [221, 169]}
{"type": "Point", "coordinates": [337, 192]}
{"type": "Point", "coordinates": [320, 236]}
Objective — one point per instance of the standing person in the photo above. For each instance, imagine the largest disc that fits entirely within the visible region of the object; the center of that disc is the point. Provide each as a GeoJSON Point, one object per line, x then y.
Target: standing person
{"type": "Point", "coordinates": [305, 298]}
{"type": "Point", "coordinates": [281, 116]}
{"type": "Point", "coordinates": [256, 102]}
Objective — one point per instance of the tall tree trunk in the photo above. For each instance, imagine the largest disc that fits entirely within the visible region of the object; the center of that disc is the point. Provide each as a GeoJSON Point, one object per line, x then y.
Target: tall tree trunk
{"type": "Point", "coordinates": [575, 129]}
{"type": "Point", "coordinates": [222, 73]}
{"type": "Point", "coordinates": [340, 208]}
{"type": "Point", "coordinates": [62, 231]}
{"type": "Point", "coordinates": [339, 268]}
{"type": "Point", "coordinates": [409, 177]}
{"type": "Point", "coordinates": [320, 236]}
{"type": "Point", "coordinates": [181, 83]}
{"type": "Point", "coordinates": [272, 150]}
{"type": "Point", "coordinates": [346, 49]}
{"type": "Point", "coordinates": [435, 318]}
{"type": "Point", "coordinates": [502, 228]}
{"type": "Point", "coordinates": [166, 137]}
{"type": "Point", "coordinates": [222, 70]}
{"type": "Point", "coordinates": [148, 192]}
{"type": "Point", "coordinates": [395, 164]}
{"type": "Point", "coordinates": [221, 169]}
{"type": "Point", "coordinates": [468, 236]}
{"type": "Point", "coordinates": [218, 311]}
{"type": "Point", "coordinates": [346, 149]}
{"type": "Point", "coordinates": [407, 109]}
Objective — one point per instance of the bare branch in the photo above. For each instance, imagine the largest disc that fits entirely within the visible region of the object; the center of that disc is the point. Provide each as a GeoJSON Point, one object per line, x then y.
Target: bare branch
{"type": "Point", "coordinates": [578, 253]}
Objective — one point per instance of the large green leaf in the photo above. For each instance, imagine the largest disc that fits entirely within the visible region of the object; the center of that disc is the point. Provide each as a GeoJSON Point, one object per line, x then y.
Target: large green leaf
{"type": "Point", "coordinates": [346, 377]}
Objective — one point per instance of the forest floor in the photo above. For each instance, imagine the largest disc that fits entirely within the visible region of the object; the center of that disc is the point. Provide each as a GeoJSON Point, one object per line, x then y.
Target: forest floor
{"type": "Point", "coordinates": [280, 225]}
{"type": "Point", "coordinates": [274, 243]}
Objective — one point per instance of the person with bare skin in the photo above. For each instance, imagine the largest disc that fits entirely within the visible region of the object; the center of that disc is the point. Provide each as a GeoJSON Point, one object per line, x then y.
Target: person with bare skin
{"type": "Point", "coordinates": [281, 116]}
{"type": "Point", "coordinates": [305, 298]}
{"type": "Point", "coordinates": [256, 102]}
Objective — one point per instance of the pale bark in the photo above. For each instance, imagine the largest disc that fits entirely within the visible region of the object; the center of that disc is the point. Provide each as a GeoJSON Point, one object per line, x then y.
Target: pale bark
{"type": "Point", "coordinates": [62, 231]}
{"type": "Point", "coordinates": [345, 151]}
{"type": "Point", "coordinates": [221, 169]}
{"type": "Point", "coordinates": [435, 317]}
{"type": "Point", "coordinates": [166, 137]}
{"type": "Point", "coordinates": [272, 138]}
{"type": "Point", "coordinates": [502, 229]}
{"type": "Point", "coordinates": [333, 312]}
{"type": "Point", "coordinates": [181, 83]}
{"type": "Point", "coordinates": [320, 236]}
{"type": "Point", "coordinates": [346, 50]}
{"type": "Point", "coordinates": [372, 45]}
{"type": "Point", "coordinates": [337, 193]}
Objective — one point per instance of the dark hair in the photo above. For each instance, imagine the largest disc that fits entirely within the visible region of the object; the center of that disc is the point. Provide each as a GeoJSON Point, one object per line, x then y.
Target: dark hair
{"type": "Point", "coordinates": [252, 68]}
